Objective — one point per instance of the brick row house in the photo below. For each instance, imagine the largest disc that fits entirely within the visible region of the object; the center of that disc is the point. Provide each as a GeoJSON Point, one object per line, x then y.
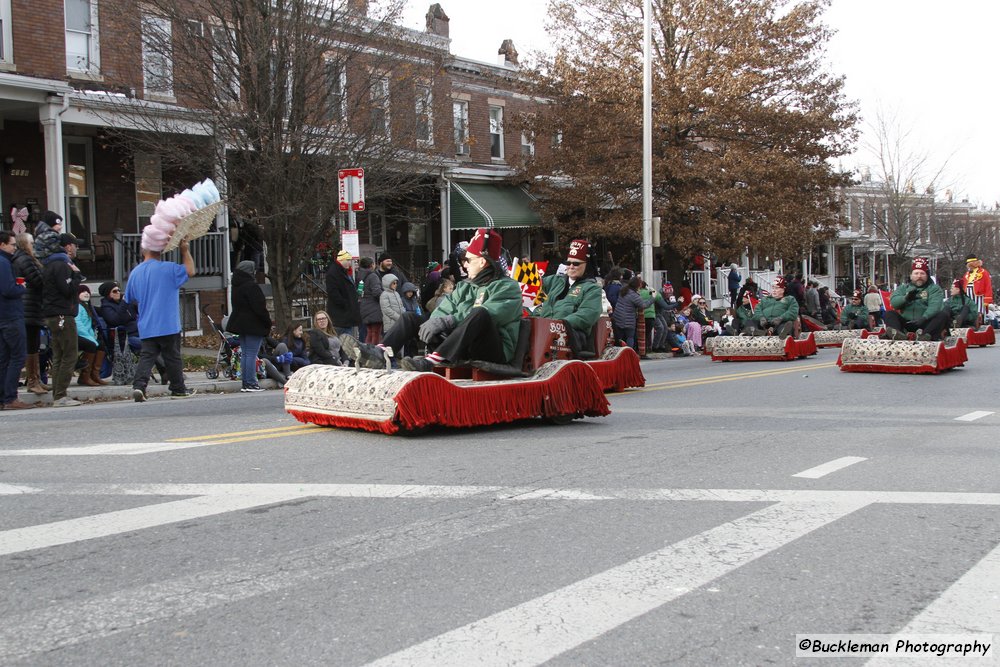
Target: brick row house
{"type": "Point", "coordinates": [67, 69]}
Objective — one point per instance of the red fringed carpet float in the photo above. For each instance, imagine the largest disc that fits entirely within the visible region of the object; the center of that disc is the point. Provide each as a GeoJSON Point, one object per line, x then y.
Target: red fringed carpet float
{"type": "Point", "coordinates": [763, 348]}
{"type": "Point", "coordinates": [618, 369]}
{"type": "Point", "coordinates": [392, 401]}
{"type": "Point", "coordinates": [835, 337]}
{"type": "Point", "coordinates": [980, 337]}
{"type": "Point", "coordinates": [873, 355]}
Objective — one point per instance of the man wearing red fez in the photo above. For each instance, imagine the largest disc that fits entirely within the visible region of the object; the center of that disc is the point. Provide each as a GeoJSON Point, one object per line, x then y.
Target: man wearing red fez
{"type": "Point", "coordinates": [918, 305]}
{"type": "Point", "coordinates": [478, 321]}
{"type": "Point", "coordinates": [575, 297]}
{"type": "Point", "coordinates": [776, 313]}
{"type": "Point", "coordinates": [855, 313]}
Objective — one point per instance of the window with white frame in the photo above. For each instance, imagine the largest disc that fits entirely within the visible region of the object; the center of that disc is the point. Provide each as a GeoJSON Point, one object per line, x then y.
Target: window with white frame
{"type": "Point", "coordinates": [225, 63]}
{"type": "Point", "coordinates": [336, 90]}
{"type": "Point", "coordinates": [425, 115]}
{"type": "Point", "coordinates": [527, 144]}
{"type": "Point", "coordinates": [82, 44]}
{"type": "Point", "coordinates": [557, 139]}
{"type": "Point", "coordinates": [6, 34]}
{"type": "Point", "coordinates": [460, 114]}
{"type": "Point", "coordinates": [380, 105]}
{"type": "Point", "coordinates": [496, 132]}
{"type": "Point", "coordinates": [157, 56]}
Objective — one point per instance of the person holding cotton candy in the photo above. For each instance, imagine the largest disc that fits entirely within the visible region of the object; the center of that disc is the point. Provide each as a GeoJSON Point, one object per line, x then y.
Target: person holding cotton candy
{"type": "Point", "coordinates": [154, 286]}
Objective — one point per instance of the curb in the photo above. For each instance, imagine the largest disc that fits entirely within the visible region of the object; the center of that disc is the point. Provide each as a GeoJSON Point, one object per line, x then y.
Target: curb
{"type": "Point", "coordinates": [113, 392]}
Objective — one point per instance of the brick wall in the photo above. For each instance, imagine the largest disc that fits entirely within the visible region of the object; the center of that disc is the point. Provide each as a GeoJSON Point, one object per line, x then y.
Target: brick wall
{"type": "Point", "coordinates": [39, 38]}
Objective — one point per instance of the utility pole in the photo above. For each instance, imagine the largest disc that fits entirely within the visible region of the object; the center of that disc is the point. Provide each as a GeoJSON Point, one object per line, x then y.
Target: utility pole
{"type": "Point", "coordinates": [647, 142]}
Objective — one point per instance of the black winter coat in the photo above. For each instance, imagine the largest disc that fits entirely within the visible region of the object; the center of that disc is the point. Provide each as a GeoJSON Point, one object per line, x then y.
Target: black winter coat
{"type": "Point", "coordinates": [249, 316]}
{"type": "Point", "coordinates": [29, 268]}
{"type": "Point", "coordinates": [60, 295]}
{"type": "Point", "coordinates": [319, 348]}
{"type": "Point", "coordinates": [120, 314]}
{"type": "Point", "coordinates": [342, 297]}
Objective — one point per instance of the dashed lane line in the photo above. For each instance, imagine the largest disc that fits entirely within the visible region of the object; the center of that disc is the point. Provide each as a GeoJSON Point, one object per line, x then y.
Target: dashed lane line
{"type": "Point", "coordinates": [973, 416]}
{"type": "Point", "coordinates": [830, 466]}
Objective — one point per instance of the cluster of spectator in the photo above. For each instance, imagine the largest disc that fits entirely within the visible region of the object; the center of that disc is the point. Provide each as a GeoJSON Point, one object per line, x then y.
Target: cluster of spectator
{"type": "Point", "coordinates": [43, 290]}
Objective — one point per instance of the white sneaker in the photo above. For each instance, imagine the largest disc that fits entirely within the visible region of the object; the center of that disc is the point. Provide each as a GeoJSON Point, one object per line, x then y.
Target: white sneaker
{"type": "Point", "coordinates": [66, 402]}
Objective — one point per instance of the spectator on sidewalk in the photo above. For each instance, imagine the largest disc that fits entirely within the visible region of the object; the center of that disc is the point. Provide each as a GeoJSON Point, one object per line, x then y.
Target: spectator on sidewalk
{"type": "Point", "coordinates": [295, 341]}
{"type": "Point", "coordinates": [60, 301]}
{"type": "Point", "coordinates": [733, 282]}
{"type": "Point", "coordinates": [390, 301]}
{"type": "Point", "coordinates": [342, 296]}
{"type": "Point", "coordinates": [27, 266]}
{"type": "Point", "coordinates": [12, 343]}
{"type": "Point", "coordinates": [89, 340]}
{"type": "Point", "coordinates": [154, 287]}
{"type": "Point", "coordinates": [444, 288]}
{"type": "Point", "coordinates": [875, 306]}
{"type": "Point", "coordinates": [250, 320]}
{"type": "Point", "coordinates": [630, 305]}
{"type": "Point", "coordinates": [324, 345]}
{"type": "Point", "coordinates": [47, 233]}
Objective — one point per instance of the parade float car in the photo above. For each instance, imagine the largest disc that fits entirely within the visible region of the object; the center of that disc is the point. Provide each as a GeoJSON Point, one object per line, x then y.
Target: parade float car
{"type": "Point", "coordinates": [543, 381]}
{"type": "Point", "coordinates": [871, 354]}
{"type": "Point", "coordinates": [975, 336]}
{"type": "Point", "coordinates": [763, 348]}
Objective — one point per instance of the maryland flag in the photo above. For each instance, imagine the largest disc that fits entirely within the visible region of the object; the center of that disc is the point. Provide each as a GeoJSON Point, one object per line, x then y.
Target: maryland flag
{"type": "Point", "coordinates": [529, 274]}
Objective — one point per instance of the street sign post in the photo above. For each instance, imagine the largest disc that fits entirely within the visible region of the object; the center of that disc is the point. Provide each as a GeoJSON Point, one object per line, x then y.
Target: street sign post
{"type": "Point", "coordinates": [351, 184]}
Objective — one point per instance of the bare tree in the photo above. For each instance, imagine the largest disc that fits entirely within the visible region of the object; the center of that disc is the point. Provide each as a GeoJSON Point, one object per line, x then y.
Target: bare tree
{"type": "Point", "coordinates": [905, 179]}
{"type": "Point", "coordinates": [281, 93]}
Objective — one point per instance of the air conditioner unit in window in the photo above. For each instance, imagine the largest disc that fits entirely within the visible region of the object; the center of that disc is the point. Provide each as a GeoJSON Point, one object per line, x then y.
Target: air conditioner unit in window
{"type": "Point", "coordinates": [195, 28]}
{"type": "Point", "coordinates": [462, 149]}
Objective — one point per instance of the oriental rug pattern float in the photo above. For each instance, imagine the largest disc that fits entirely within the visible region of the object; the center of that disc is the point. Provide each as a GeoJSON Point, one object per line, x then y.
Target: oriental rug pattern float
{"type": "Point", "coordinates": [392, 401]}
{"type": "Point", "coordinates": [763, 348]}
{"type": "Point", "coordinates": [835, 338]}
{"type": "Point", "coordinates": [982, 336]}
{"type": "Point", "coordinates": [873, 355]}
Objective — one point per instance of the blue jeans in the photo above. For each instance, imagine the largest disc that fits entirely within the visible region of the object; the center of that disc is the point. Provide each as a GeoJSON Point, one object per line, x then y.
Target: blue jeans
{"type": "Point", "coordinates": [249, 347]}
{"type": "Point", "coordinates": [13, 352]}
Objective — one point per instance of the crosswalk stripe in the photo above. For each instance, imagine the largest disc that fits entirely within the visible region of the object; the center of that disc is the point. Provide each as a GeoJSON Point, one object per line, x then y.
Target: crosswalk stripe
{"type": "Point", "coordinates": [66, 624]}
{"type": "Point", "coordinates": [514, 493]}
{"type": "Point", "coordinates": [970, 605]}
{"type": "Point", "coordinates": [538, 630]}
{"type": "Point", "coordinates": [106, 449]}
{"type": "Point", "coordinates": [113, 523]}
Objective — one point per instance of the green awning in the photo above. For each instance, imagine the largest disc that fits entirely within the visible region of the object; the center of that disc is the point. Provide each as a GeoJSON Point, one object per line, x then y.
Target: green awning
{"type": "Point", "coordinates": [475, 205]}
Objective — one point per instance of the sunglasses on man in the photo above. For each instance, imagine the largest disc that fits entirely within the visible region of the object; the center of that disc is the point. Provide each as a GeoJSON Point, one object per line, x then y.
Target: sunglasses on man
{"type": "Point", "coordinates": [575, 263]}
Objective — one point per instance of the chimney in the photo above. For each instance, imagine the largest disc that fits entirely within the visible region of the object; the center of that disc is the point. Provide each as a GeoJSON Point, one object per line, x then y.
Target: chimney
{"type": "Point", "coordinates": [437, 20]}
{"type": "Point", "coordinates": [359, 7]}
{"type": "Point", "coordinates": [507, 53]}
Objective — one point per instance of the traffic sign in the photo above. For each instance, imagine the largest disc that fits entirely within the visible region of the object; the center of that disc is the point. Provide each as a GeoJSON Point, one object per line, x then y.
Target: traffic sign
{"type": "Point", "coordinates": [352, 189]}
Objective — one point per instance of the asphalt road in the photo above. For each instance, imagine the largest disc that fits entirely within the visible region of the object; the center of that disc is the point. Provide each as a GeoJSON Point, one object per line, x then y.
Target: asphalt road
{"type": "Point", "coordinates": [715, 515]}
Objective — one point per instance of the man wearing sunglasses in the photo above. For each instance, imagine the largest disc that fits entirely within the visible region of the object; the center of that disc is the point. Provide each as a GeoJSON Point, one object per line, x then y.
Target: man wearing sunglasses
{"type": "Point", "coordinates": [478, 321]}
{"type": "Point", "coordinates": [574, 298]}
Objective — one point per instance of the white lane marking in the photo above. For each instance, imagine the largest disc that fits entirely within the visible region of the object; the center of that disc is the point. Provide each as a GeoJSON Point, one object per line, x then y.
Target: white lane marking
{"type": "Point", "coordinates": [10, 489]}
{"type": "Point", "coordinates": [831, 466]}
{"type": "Point", "coordinates": [106, 449]}
{"type": "Point", "coordinates": [61, 625]}
{"type": "Point", "coordinates": [124, 521]}
{"type": "Point", "coordinates": [538, 630]}
{"type": "Point", "coordinates": [970, 605]}
{"type": "Point", "coordinates": [526, 493]}
{"type": "Point", "coordinates": [973, 416]}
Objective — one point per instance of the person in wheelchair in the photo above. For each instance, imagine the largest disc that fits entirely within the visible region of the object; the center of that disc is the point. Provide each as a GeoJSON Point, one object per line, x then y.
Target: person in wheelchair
{"type": "Point", "coordinates": [479, 321]}
{"type": "Point", "coordinates": [776, 313]}
{"type": "Point", "coordinates": [574, 298]}
{"type": "Point", "coordinates": [918, 305]}
{"type": "Point", "coordinates": [963, 309]}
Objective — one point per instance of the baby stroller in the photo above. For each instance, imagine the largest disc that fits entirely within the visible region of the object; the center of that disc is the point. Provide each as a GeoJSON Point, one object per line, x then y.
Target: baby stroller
{"type": "Point", "coordinates": [227, 359]}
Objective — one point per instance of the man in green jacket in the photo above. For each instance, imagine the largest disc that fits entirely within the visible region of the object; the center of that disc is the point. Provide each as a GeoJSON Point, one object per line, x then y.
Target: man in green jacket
{"type": "Point", "coordinates": [574, 297]}
{"type": "Point", "coordinates": [479, 320]}
{"type": "Point", "coordinates": [776, 314]}
{"type": "Point", "coordinates": [917, 305]}
{"type": "Point", "coordinates": [855, 314]}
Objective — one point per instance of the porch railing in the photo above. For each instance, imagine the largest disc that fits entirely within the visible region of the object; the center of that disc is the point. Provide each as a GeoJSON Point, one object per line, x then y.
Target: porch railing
{"type": "Point", "coordinates": [208, 252]}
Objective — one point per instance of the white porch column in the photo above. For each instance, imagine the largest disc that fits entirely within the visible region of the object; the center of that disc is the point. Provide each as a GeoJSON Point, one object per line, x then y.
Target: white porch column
{"type": "Point", "coordinates": [50, 116]}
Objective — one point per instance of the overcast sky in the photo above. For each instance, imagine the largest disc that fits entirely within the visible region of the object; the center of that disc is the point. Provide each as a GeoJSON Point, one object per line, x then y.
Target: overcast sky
{"type": "Point", "coordinates": [935, 64]}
